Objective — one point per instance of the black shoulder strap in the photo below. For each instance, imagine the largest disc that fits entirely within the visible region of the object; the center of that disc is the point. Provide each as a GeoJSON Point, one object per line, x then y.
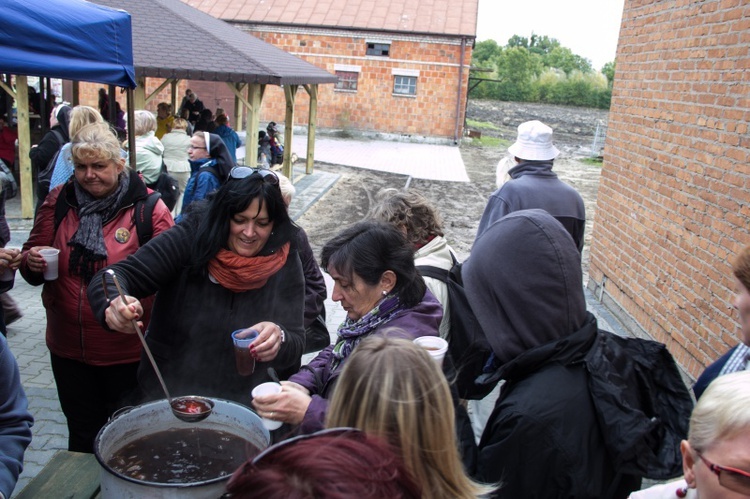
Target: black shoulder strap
{"type": "Point", "coordinates": [61, 208]}
{"type": "Point", "coordinates": [144, 214]}
{"type": "Point", "coordinates": [434, 272]}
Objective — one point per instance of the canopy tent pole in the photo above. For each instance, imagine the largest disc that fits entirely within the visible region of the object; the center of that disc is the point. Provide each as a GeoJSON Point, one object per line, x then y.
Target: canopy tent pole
{"type": "Point", "coordinates": [290, 92]}
{"type": "Point", "coordinates": [24, 146]}
{"type": "Point", "coordinates": [131, 128]}
{"type": "Point", "coordinates": [238, 109]}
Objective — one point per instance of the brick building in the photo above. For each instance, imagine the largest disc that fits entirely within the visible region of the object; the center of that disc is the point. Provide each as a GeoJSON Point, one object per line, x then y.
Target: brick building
{"type": "Point", "coordinates": [674, 199]}
{"type": "Point", "coordinates": [403, 67]}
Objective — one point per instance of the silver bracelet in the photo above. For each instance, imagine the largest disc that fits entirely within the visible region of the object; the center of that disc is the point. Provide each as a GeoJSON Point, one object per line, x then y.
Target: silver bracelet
{"type": "Point", "coordinates": [283, 335]}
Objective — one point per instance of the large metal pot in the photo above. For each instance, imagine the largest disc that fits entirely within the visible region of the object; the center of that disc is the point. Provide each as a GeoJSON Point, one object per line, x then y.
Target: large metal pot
{"type": "Point", "coordinates": [154, 417]}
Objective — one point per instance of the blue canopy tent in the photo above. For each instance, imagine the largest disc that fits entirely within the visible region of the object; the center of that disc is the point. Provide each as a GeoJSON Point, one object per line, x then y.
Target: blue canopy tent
{"type": "Point", "coordinates": [68, 39]}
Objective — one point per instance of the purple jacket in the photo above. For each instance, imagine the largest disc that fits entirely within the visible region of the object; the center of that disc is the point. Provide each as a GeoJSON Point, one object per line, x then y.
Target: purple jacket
{"type": "Point", "coordinates": [318, 376]}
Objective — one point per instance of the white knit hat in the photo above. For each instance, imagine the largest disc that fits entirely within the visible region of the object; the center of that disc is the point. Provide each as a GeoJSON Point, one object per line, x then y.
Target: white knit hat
{"type": "Point", "coordinates": [534, 142]}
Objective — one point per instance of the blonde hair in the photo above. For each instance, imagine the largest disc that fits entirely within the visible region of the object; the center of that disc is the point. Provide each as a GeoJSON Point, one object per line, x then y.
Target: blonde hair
{"type": "Point", "coordinates": [393, 389]}
{"type": "Point", "coordinates": [145, 122]}
{"type": "Point", "coordinates": [81, 116]}
{"type": "Point", "coordinates": [741, 267]}
{"type": "Point", "coordinates": [721, 412]}
{"type": "Point", "coordinates": [179, 124]}
{"type": "Point", "coordinates": [410, 210]}
{"type": "Point", "coordinates": [95, 142]}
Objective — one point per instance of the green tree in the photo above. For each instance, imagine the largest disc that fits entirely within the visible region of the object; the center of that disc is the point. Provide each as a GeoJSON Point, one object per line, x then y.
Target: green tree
{"type": "Point", "coordinates": [518, 41]}
{"type": "Point", "coordinates": [517, 67]}
{"type": "Point", "coordinates": [485, 52]}
{"type": "Point", "coordinates": [542, 44]}
{"type": "Point", "coordinates": [564, 59]}
{"type": "Point", "coordinates": [608, 70]}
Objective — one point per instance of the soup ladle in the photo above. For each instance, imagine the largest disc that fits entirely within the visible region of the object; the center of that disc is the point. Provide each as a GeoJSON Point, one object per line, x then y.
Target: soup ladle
{"type": "Point", "coordinates": [190, 408]}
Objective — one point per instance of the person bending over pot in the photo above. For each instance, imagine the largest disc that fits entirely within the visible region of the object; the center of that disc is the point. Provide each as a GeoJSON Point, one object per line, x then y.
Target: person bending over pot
{"type": "Point", "coordinates": [231, 264]}
{"type": "Point", "coordinates": [372, 266]}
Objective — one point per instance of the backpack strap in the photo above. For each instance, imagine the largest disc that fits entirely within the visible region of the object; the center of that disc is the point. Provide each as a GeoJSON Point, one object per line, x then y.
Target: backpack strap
{"type": "Point", "coordinates": [142, 216]}
{"type": "Point", "coordinates": [434, 272]}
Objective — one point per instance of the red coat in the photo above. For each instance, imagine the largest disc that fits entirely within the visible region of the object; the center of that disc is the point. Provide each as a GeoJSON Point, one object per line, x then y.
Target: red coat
{"type": "Point", "coordinates": [8, 138]}
{"type": "Point", "coordinates": [72, 330]}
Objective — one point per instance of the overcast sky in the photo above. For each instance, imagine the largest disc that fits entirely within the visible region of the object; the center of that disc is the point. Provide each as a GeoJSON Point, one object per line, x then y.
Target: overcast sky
{"type": "Point", "coordinates": [587, 27]}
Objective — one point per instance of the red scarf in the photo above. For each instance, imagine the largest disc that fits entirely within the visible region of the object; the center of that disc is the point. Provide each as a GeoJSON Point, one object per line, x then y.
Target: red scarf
{"type": "Point", "coordinates": [239, 273]}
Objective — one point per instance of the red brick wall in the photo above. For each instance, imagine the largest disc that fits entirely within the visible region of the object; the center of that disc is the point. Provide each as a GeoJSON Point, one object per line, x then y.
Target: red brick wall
{"type": "Point", "coordinates": [373, 107]}
{"type": "Point", "coordinates": [674, 199]}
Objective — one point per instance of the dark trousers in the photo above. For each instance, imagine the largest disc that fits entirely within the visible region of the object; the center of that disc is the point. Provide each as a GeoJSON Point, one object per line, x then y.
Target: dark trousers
{"type": "Point", "coordinates": [89, 395]}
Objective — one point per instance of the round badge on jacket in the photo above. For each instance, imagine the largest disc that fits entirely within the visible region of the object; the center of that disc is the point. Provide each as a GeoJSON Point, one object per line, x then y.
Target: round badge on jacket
{"type": "Point", "coordinates": [122, 235]}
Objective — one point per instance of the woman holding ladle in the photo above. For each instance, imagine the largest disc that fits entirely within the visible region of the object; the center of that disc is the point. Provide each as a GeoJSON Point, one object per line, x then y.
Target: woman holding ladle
{"type": "Point", "coordinates": [231, 264]}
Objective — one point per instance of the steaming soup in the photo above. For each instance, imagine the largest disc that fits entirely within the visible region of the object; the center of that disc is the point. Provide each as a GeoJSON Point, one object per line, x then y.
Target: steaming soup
{"type": "Point", "coordinates": [182, 456]}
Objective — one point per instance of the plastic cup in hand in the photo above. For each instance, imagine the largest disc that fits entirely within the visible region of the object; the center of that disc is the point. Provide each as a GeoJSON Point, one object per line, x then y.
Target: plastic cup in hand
{"type": "Point", "coordinates": [50, 257]}
{"type": "Point", "coordinates": [435, 346]}
{"type": "Point", "coordinates": [268, 388]}
{"type": "Point", "coordinates": [243, 358]}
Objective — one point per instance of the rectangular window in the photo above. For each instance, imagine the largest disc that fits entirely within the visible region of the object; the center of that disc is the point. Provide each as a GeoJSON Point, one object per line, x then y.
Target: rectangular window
{"type": "Point", "coordinates": [347, 80]}
{"type": "Point", "coordinates": [378, 49]}
{"type": "Point", "coordinates": [405, 85]}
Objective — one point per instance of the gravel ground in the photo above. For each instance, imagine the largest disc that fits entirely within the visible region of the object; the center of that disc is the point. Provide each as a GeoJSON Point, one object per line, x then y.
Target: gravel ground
{"type": "Point", "coordinates": [461, 204]}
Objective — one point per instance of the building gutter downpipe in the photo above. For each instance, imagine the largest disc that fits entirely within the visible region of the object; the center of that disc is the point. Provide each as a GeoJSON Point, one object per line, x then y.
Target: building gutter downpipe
{"type": "Point", "coordinates": [458, 95]}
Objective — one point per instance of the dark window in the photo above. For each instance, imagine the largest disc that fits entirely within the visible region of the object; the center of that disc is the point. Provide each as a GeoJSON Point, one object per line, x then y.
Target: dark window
{"type": "Point", "coordinates": [347, 80]}
{"type": "Point", "coordinates": [405, 85]}
{"type": "Point", "coordinates": [379, 49]}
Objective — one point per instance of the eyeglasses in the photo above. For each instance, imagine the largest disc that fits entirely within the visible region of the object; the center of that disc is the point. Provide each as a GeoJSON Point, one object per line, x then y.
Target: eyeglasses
{"type": "Point", "coordinates": [240, 172]}
{"type": "Point", "coordinates": [729, 478]}
{"type": "Point", "coordinates": [194, 147]}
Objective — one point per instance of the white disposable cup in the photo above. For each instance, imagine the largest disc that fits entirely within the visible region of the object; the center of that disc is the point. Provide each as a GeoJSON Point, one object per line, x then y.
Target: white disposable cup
{"type": "Point", "coordinates": [268, 388]}
{"type": "Point", "coordinates": [50, 257]}
{"type": "Point", "coordinates": [435, 346]}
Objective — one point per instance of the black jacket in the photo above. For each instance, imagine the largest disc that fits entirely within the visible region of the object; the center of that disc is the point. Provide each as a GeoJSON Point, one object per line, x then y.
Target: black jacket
{"type": "Point", "coordinates": [583, 413]}
{"type": "Point", "coordinates": [193, 318]}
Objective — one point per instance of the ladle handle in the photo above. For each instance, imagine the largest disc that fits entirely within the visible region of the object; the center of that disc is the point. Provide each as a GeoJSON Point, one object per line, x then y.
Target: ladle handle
{"type": "Point", "coordinates": [143, 340]}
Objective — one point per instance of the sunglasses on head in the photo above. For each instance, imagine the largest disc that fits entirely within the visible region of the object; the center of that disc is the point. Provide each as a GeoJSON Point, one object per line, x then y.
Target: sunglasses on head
{"type": "Point", "coordinates": [240, 172]}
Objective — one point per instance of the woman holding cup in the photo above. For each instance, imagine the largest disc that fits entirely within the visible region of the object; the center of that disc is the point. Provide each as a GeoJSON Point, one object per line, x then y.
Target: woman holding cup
{"type": "Point", "coordinates": [372, 267]}
{"type": "Point", "coordinates": [231, 264]}
{"type": "Point", "coordinates": [87, 223]}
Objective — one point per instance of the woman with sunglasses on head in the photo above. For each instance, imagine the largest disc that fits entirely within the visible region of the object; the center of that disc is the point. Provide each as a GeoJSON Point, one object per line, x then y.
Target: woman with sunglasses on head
{"type": "Point", "coordinates": [210, 163]}
{"type": "Point", "coordinates": [716, 455]}
{"type": "Point", "coordinates": [231, 264]}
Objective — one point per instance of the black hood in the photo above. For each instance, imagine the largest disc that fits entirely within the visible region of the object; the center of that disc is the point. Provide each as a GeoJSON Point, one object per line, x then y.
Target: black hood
{"type": "Point", "coordinates": [524, 282]}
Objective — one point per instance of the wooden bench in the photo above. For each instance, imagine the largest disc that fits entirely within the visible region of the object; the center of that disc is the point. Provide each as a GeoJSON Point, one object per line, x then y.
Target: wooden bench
{"type": "Point", "coordinates": [67, 475]}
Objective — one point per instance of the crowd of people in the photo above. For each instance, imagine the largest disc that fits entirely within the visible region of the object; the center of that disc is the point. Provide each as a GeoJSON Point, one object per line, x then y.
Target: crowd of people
{"type": "Point", "coordinates": [576, 411]}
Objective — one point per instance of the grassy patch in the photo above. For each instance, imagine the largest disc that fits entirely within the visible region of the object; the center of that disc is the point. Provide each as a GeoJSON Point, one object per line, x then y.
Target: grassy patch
{"type": "Point", "coordinates": [593, 161]}
{"type": "Point", "coordinates": [490, 142]}
{"type": "Point", "coordinates": [483, 125]}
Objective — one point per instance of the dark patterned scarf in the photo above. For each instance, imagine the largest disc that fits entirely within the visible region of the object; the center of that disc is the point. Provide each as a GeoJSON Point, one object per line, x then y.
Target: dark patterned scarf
{"type": "Point", "coordinates": [89, 253]}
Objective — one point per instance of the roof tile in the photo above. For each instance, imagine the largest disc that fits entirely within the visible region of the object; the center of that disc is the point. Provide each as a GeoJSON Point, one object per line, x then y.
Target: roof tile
{"type": "Point", "coordinates": [439, 17]}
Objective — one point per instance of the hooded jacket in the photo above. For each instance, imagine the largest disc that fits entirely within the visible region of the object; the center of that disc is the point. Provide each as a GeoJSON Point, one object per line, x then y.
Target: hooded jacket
{"type": "Point", "coordinates": [43, 153]}
{"type": "Point", "coordinates": [72, 331]}
{"type": "Point", "coordinates": [543, 439]}
{"type": "Point", "coordinates": [533, 185]}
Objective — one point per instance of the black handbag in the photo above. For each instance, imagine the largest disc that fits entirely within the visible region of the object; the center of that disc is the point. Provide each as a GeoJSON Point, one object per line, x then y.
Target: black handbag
{"type": "Point", "coordinates": [167, 186]}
